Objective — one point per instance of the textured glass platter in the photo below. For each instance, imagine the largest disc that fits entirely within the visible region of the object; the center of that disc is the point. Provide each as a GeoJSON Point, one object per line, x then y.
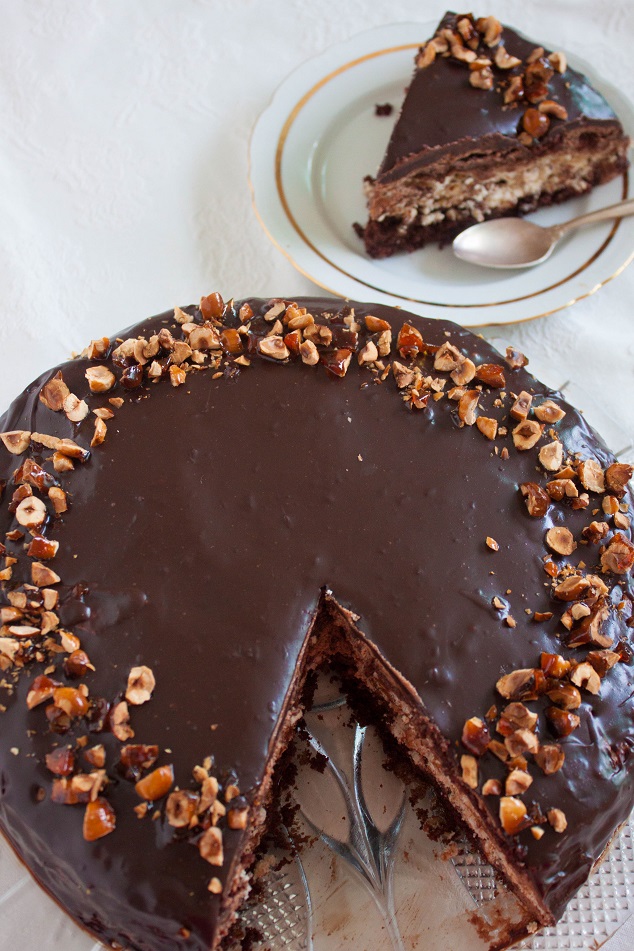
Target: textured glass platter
{"type": "Point", "coordinates": [378, 865]}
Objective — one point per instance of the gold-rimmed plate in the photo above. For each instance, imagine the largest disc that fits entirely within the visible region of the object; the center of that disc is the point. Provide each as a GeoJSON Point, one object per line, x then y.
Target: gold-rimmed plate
{"type": "Point", "coordinates": [320, 136]}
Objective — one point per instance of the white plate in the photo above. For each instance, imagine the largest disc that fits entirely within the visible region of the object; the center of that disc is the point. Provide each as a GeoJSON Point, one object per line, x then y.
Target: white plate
{"type": "Point", "coordinates": [319, 137]}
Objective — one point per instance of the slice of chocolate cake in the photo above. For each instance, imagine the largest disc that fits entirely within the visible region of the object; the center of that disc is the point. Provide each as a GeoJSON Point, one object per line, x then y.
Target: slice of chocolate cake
{"type": "Point", "coordinates": [197, 513]}
{"type": "Point", "coordinates": [492, 124]}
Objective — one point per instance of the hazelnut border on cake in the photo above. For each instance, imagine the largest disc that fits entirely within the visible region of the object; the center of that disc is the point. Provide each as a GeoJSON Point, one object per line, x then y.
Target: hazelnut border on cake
{"type": "Point", "coordinates": [197, 512]}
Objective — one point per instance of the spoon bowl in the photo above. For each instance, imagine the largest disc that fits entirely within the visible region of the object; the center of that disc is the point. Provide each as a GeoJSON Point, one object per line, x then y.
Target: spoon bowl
{"type": "Point", "coordinates": [517, 243]}
{"type": "Point", "coordinates": [505, 243]}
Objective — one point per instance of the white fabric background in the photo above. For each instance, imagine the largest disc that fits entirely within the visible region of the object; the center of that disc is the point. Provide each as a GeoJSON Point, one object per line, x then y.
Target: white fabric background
{"type": "Point", "coordinates": [123, 167]}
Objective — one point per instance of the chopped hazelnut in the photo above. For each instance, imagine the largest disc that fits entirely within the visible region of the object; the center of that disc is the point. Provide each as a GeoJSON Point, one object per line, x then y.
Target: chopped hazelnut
{"type": "Point", "coordinates": [273, 347]}
{"type": "Point", "coordinates": [475, 736]}
{"type": "Point", "coordinates": [558, 820]}
{"type": "Point", "coordinates": [467, 406]}
{"type": "Point", "coordinates": [180, 808]}
{"type": "Point", "coordinates": [617, 558]}
{"type": "Point", "coordinates": [560, 540]}
{"type": "Point", "coordinates": [549, 412]}
{"type": "Point", "coordinates": [558, 61]}
{"type": "Point", "coordinates": [517, 685]}
{"type": "Point", "coordinates": [527, 434]}
{"type": "Point", "coordinates": [464, 373]}
{"type": "Point", "coordinates": [100, 379]}
{"type": "Point", "coordinates": [309, 353]}
{"type": "Point", "coordinates": [54, 393]}
{"type": "Point", "coordinates": [237, 817]}
{"type": "Point", "coordinates": [210, 846]}
{"type": "Point", "coordinates": [368, 353]}
{"type": "Point", "coordinates": [492, 787]}
{"type": "Point", "coordinates": [141, 683]}
{"type": "Point", "coordinates": [215, 886]}
{"type": "Point", "coordinates": [120, 722]}
{"type": "Point", "coordinates": [591, 475]}
{"type": "Point", "coordinates": [488, 427]}
{"type": "Point", "coordinates": [572, 588]}
{"type": "Point", "coordinates": [617, 476]}
{"type": "Point", "coordinates": [550, 758]}
{"type": "Point", "coordinates": [469, 766]}
{"type": "Point", "coordinates": [31, 512]}
{"type": "Point", "coordinates": [42, 577]}
{"type": "Point", "coordinates": [514, 358]}
{"type": "Point", "coordinates": [448, 358]}
{"type": "Point", "coordinates": [520, 742]}
{"type": "Point", "coordinates": [16, 441]}
{"type": "Point", "coordinates": [586, 677]}
{"type": "Point", "coordinates": [517, 782]}
{"type": "Point", "coordinates": [100, 432]}
{"type": "Point", "coordinates": [537, 501]}
{"type": "Point", "coordinates": [551, 455]}
{"type": "Point", "coordinates": [522, 406]}
{"type": "Point", "coordinates": [595, 531]}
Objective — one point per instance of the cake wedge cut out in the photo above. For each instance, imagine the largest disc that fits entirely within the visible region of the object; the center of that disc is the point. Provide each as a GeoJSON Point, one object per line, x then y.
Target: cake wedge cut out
{"type": "Point", "coordinates": [492, 124]}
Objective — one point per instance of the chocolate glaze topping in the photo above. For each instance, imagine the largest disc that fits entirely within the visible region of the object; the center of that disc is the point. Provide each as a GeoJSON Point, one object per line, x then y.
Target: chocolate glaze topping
{"type": "Point", "coordinates": [444, 116]}
{"type": "Point", "coordinates": [199, 539]}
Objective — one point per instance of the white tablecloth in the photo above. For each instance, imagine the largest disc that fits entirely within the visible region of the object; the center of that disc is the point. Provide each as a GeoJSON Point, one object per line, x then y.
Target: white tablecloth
{"type": "Point", "coordinates": [123, 167]}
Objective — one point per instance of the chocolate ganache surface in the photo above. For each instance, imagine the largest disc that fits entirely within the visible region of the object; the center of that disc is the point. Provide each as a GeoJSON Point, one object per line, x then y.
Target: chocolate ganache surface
{"type": "Point", "coordinates": [199, 538]}
{"type": "Point", "coordinates": [443, 115]}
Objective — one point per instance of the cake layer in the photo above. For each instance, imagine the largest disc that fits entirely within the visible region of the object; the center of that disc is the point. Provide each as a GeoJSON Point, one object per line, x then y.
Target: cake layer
{"type": "Point", "coordinates": [238, 480]}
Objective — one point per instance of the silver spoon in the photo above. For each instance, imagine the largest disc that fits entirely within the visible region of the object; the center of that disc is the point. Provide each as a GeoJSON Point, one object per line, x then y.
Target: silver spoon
{"type": "Point", "coordinates": [515, 242]}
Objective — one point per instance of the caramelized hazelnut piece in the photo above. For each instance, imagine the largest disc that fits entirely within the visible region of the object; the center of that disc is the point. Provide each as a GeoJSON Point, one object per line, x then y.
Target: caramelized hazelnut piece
{"type": "Point", "coordinates": [156, 784]}
{"type": "Point", "coordinates": [491, 374]}
{"type": "Point", "coordinates": [409, 341]}
{"type": "Point", "coordinates": [135, 757]}
{"type": "Point", "coordinates": [99, 819]}
{"type": "Point", "coordinates": [475, 736]}
{"type": "Point", "coordinates": [77, 664]}
{"type": "Point", "coordinates": [563, 722]}
{"type": "Point", "coordinates": [61, 762]}
{"type": "Point", "coordinates": [41, 689]}
{"type": "Point", "coordinates": [513, 815]}
{"type": "Point", "coordinates": [488, 427]}
{"type": "Point", "coordinates": [517, 782]}
{"type": "Point", "coordinates": [591, 475]}
{"type": "Point", "coordinates": [210, 846]}
{"type": "Point", "coordinates": [522, 406]}
{"type": "Point", "coordinates": [535, 123]}
{"type": "Point", "coordinates": [537, 501]}
{"type": "Point", "coordinates": [212, 307]}
{"type": "Point", "coordinates": [565, 696]}
{"type": "Point", "coordinates": [549, 412]}
{"type": "Point", "coordinates": [71, 701]}
{"type": "Point", "coordinates": [616, 478]}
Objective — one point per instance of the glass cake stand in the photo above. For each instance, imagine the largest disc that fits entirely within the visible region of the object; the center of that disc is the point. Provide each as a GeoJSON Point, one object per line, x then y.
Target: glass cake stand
{"type": "Point", "coordinates": [371, 870]}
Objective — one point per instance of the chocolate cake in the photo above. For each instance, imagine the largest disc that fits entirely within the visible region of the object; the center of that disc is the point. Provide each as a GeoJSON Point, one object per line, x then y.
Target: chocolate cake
{"type": "Point", "coordinates": [197, 513]}
{"type": "Point", "coordinates": [492, 124]}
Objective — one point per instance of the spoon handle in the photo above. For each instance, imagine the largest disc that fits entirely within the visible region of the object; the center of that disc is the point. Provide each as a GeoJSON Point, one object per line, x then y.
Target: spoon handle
{"type": "Point", "coordinates": [620, 210]}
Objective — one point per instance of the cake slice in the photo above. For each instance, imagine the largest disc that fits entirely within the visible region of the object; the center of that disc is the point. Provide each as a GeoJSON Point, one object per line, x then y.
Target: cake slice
{"type": "Point", "coordinates": [492, 124]}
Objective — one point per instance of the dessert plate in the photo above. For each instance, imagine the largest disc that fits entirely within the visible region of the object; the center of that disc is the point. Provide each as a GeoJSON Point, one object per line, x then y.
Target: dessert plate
{"type": "Point", "coordinates": [320, 136]}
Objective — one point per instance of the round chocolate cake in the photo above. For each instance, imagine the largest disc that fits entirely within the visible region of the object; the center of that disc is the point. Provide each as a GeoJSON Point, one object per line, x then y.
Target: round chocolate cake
{"type": "Point", "coordinates": [197, 513]}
